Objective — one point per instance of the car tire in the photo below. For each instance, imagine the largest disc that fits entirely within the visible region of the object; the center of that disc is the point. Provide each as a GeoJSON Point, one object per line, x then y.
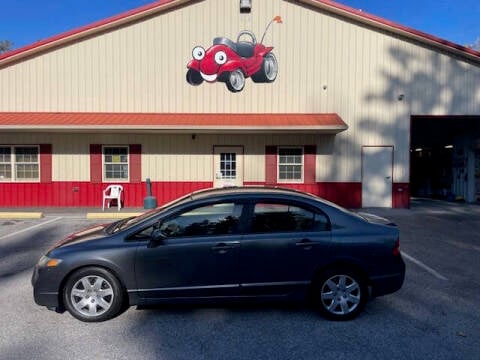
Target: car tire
{"type": "Point", "coordinates": [194, 77]}
{"type": "Point", "coordinates": [339, 294]}
{"type": "Point", "coordinates": [235, 80]}
{"type": "Point", "coordinates": [93, 294]}
{"type": "Point", "coordinates": [268, 71]}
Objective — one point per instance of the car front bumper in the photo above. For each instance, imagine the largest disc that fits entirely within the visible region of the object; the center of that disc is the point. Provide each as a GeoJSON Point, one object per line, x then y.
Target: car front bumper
{"type": "Point", "coordinates": [45, 284]}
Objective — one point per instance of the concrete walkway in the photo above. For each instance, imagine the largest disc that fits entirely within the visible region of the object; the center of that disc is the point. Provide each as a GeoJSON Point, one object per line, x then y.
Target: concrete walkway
{"type": "Point", "coordinates": [77, 212]}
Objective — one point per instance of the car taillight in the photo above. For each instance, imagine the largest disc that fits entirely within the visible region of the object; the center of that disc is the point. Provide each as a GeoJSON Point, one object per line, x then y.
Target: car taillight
{"type": "Point", "coordinates": [396, 248]}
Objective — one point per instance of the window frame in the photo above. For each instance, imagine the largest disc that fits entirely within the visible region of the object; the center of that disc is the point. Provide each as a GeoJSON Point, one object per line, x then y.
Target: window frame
{"type": "Point", "coordinates": [104, 163]}
{"type": "Point", "coordinates": [13, 162]}
{"type": "Point", "coordinates": [302, 165]}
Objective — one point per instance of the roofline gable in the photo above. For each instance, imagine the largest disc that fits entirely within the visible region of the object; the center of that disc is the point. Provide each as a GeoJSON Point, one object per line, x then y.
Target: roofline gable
{"type": "Point", "coordinates": [164, 5]}
{"type": "Point", "coordinates": [91, 29]}
{"type": "Point", "coordinates": [393, 27]}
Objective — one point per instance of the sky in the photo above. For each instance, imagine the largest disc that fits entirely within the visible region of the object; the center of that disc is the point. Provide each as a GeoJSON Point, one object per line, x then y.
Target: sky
{"type": "Point", "coordinates": [24, 22]}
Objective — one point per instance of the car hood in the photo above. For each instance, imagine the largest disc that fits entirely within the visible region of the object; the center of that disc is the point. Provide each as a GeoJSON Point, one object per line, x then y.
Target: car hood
{"type": "Point", "coordinates": [89, 234]}
{"type": "Point", "coordinates": [375, 219]}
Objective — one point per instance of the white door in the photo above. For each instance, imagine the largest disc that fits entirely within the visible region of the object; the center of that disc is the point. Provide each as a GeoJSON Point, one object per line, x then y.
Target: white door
{"type": "Point", "coordinates": [228, 166]}
{"type": "Point", "coordinates": [377, 170]}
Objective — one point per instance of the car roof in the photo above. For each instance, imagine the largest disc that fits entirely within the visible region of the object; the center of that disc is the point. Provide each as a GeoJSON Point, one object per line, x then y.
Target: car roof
{"type": "Point", "coordinates": [249, 190]}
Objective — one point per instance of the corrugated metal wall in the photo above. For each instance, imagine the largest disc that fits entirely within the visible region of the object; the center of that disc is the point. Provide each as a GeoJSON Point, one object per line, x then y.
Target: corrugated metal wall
{"type": "Point", "coordinates": [326, 64]}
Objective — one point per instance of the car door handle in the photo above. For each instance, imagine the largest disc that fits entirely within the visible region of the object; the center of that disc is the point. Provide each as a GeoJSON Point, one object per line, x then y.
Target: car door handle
{"type": "Point", "coordinates": [222, 247]}
{"type": "Point", "coordinates": [306, 244]}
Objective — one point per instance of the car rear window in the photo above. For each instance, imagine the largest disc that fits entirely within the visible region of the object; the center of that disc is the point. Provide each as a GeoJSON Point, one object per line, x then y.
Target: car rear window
{"type": "Point", "coordinates": [274, 217]}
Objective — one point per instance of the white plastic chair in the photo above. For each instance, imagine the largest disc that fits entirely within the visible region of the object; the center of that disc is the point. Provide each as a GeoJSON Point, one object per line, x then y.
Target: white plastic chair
{"type": "Point", "coordinates": [110, 193]}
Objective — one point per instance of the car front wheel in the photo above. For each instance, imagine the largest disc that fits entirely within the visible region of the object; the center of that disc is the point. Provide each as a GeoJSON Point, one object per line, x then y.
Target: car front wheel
{"type": "Point", "coordinates": [93, 294]}
{"type": "Point", "coordinates": [235, 81]}
{"type": "Point", "coordinates": [194, 77]}
{"type": "Point", "coordinates": [340, 294]}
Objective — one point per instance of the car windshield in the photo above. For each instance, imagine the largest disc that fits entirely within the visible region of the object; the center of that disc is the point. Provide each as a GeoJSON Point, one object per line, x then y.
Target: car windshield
{"type": "Point", "coordinates": [129, 222]}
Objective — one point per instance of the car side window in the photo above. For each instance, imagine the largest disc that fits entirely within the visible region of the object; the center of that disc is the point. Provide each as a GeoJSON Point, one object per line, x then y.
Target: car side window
{"type": "Point", "coordinates": [215, 219]}
{"type": "Point", "coordinates": [274, 217]}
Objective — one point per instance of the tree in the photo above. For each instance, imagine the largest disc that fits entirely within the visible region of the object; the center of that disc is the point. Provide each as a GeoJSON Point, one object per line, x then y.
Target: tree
{"type": "Point", "coordinates": [5, 46]}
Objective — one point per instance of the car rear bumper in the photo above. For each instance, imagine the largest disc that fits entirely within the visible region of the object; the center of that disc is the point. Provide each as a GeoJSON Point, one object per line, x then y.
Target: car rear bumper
{"type": "Point", "coordinates": [387, 284]}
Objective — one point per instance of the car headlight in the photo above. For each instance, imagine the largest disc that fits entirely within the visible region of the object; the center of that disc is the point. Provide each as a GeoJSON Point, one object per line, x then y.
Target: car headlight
{"type": "Point", "coordinates": [46, 261]}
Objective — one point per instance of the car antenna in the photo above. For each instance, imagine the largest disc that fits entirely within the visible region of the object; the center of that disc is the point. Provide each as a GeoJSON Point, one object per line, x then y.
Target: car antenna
{"type": "Point", "coordinates": [277, 19]}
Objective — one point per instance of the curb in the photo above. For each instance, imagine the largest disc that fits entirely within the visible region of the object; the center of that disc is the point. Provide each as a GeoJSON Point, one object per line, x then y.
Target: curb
{"type": "Point", "coordinates": [21, 215]}
{"type": "Point", "coordinates": [111, 216]}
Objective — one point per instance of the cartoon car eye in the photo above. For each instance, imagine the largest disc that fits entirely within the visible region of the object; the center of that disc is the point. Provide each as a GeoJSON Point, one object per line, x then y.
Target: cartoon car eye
{"type": "Point", "coordinates": [221, 57]}
{"type": "Point", "coordinates": [198, 53]}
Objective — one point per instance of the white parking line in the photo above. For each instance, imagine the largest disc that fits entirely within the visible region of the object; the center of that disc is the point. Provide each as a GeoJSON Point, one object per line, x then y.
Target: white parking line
{"type": "Point", "coordinates": [423, 266]}
{"type": "Point", "coordinates": [30, 228]}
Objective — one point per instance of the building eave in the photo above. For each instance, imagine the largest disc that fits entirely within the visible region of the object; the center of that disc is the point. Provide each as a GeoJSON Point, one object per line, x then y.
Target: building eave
{"type": "Point", "coordinates": [171, 123]}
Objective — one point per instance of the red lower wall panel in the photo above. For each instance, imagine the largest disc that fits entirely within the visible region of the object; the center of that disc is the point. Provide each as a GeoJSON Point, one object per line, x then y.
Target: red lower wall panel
{"type": "Point", "coordinates": [401, 195]}
{"type": "Point", "coordinates": [89, 194]}
{"type": "Point", "coordinates": [347, 194]}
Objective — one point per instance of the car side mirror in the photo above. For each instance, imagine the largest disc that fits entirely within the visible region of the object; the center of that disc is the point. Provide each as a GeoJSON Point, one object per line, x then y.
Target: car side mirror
{"type": "Point", "coordinates": [157, 238]}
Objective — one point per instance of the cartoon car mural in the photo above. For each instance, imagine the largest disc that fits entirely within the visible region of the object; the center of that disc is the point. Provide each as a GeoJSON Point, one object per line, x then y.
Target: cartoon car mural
{"type": "Point", "coordinates": [232, 62]}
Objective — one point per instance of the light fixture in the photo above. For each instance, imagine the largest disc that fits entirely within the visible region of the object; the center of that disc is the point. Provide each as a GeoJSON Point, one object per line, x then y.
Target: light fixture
{"type": "Point", "coordinates": [418, 149]}
{"type": "Point", "coordinates": [245, 6]}
{"type": "Point", "coordinates": [448, 146]}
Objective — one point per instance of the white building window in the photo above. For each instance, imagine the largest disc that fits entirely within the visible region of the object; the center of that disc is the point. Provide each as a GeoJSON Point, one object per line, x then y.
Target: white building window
{"type": "Point", "coordinates": [19, 163]}
{"type": "Point", "coordinates": [115, 163]}
{"type": "Point", "coordinates": [290, 164]}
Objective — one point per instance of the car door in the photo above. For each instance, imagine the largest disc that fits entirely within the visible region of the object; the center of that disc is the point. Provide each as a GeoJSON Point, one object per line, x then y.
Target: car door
{"type": "Point", "coordinates": [198, 255]}
{"type": "Point", "coordinates": [283, 246]}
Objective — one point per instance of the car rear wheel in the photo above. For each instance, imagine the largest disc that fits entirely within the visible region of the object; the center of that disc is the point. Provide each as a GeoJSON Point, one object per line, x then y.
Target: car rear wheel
{"type": "Point", "coordinates": [93, 294]}
{"type": "Point", "coordinates": [268, 71]}
{"type": "Point", "coordinates": [235, 81]}
{"type": "Point", "coordinates": [340, 294]}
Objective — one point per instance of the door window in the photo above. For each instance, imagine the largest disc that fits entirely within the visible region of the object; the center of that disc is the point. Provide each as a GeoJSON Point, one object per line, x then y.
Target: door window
{"type": "Point", "coordinates": [210, 220]}
{"type": "Point", "coordinates": [273, 217]}
{"type": "Point", "coordinates": [228, 165]}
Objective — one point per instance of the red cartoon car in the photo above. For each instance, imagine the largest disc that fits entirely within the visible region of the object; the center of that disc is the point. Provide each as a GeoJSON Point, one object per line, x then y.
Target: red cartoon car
{"type": "Point", "coordinates": [231, 62]}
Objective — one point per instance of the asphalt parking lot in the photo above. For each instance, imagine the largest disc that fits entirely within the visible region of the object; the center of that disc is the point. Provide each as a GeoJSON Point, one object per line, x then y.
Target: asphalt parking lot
{"type": "Point", "coordinates": [434, 316]}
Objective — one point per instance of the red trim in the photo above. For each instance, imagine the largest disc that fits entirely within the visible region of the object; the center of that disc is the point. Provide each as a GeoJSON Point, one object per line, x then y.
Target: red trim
{"type": "Point", "coordinates": [270, 165]}
{"type": "Point", "coordinates": [310, 164]}
{"type": "Point", "coordinates": [136, 14]}
{"type": "Point", "coordinates": [135, 163]}
{"type": "Point", "coordinates": [95, 163]}
{"type": "Point", "coordinates": [45, 163]}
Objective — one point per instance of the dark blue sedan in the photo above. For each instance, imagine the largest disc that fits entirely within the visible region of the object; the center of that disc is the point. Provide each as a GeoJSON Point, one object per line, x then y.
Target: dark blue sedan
{"type": "Point", "coordinates": [218, 244]}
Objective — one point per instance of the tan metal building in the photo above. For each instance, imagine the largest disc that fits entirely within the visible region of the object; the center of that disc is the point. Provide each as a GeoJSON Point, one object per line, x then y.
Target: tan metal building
{"type": "Point", "coordinates": [331, 113]}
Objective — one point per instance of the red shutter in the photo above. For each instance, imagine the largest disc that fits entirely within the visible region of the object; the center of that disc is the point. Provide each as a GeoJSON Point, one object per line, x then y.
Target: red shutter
{"type": "Point", "coordinates": [95, 163]}
{"type": "Point", "coordinates": [45, 163]}
{"type": "Point", "coordinates": [270, 165]}
{"type": "Point", "coordinates": [310, 163]}
{"type": "Point", "coordinates": [135, 163]}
